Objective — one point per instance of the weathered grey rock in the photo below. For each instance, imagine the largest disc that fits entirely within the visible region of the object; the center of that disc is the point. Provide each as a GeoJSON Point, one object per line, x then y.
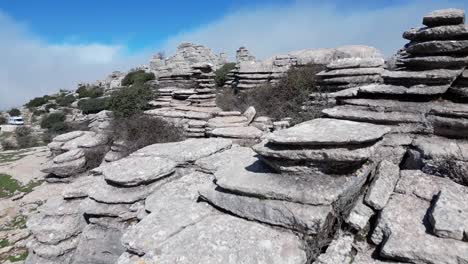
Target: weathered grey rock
{"type": "Point", "coordinates": [36, 259]}
{"type": "Point", "coordinates": [68, 136]}
{"type": "Point", "coordinates": [434, 62]}
{"type": "Point", "coordinates": [449, 127]}
{"type": "Point", "coordinates": [183, 189]}
{"type": "Point", "coordinates": [385, 89]}
{"type": "Point", "coordinates": [248, 132]}
{"type": "Point", "coordinates": [134, 170]}
{"type": "Point", "coordinates": [254, 179]}
{"type": "Point", "coordinates": [441, 17]}
{"type": "Point", "coordinates": [52, 230]}
{"type": "Point", "coordinates": [99, 209]}
{"type": "Point", "coordinates": [382, 186]}
{"type": "Point", "coordinates": [53, 251]}
{"type": "Point", "coordinates": [68, 156]}
{"type": "Point", "coordinates": [429, 77]}
{"type": "Point", "coordinates": [360, 215]}
{"type": "Point", "coordinates": [235, 244]}
{"type": "Point", "coordinates": [66, 169]}
{"type": "Point", "coordinates": [453, 32]}
{"type": "Point", "coordinates": [187, 151]}
{"type": "Point", "coordinates": [317, 132]}
{"type": "Point", "coordinates": [98, 245]}
{"type": "Point", "coordinates": [339, 251]}
{"type": "Point", "coordinates": [303, 218]}
{"type": "Point", "coordinates": [222, 121]}
{"type": "Point", "coordinates": [87, 140]}
{"type": "Point", "coordinates": [351, 72]}
{"type": "Point", "coordinates": [216, 161]}
{"type": "Point", "coordinates": [401, 224]}
{"type": "Point", "coordinates": [102, 192]}
{"type": "Point", "coordinates": [79, 188]}
{"type": "Point", "coordinates": [438, 47]}
{"type": "Point", "coordinates": [358, 79]}
{"type": "Point", "coordinates": [340, 160]}
{"type": "Point", "coordinates": [449, 218]}
{"type": "Point", "coordinates": [157, 228]}
{"type": "Point", "coordinates": [356, 63]}
{"type": "Point", "coordinates": [365, 114]}
{"type": "Point", "coordinates": [250, 114]}
{"type": "Point", "coordinates": [424, 186]}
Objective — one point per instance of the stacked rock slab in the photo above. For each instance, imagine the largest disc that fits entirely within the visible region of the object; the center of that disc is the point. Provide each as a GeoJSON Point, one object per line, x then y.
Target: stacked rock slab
{"type": "Point", "coordinates": [70, 152]}
{"type": "Point", "coordinates": [433, 63]}
{"type": "Point", "coordinates": [303, 178]}
{"type": "Point", "coordinates": [250, 73]}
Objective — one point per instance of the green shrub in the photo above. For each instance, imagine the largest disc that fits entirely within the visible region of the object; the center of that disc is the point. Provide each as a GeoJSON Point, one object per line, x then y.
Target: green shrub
{"type": "Point", "coordinates": [137, 77]}
{"type": "Point", "coordinates": [90, 91]}
{"type": "Point", "coordinates": [39, 112]}
{"type": "Point", "coordinates": [38, 101]}
{"type": "Point", "coordinates": [141, 130]}
{"type": "Point", "coordinates": [50, 106]}
{"type": "Point", "coordinates": [93, 105]}
{"type": "Point", "coordinates": [65, 100]}
{"type": "Point", "coordinates": [221, 73]}
{"type": "Point", "coordinates": [3, 120]}
{"type": "Point", "coordinates": [14, 112]}
{"type": "Point", "coordinates": [129, 101]}
{"type": "Point", "coordinates": [54, 122]}
{"type": "Point", "coordinates": [8, 145]}
{"type": "Point", "coordinates": [24, 137]}
{"type": "Point", "coordinates": [285, 99]}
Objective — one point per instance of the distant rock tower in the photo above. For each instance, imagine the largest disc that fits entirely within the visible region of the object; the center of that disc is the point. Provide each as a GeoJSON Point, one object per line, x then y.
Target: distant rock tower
{"type": "Point", "coordinates": [243, 55]}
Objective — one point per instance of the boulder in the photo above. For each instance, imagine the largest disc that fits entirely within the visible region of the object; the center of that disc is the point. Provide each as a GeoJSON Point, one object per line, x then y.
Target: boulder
{"type": "Point", "coordinates": [449, 218]}
{"type": "Point", "coordinates": [442, 17]}
{"type": "Point", "coordinates": [383, 184]}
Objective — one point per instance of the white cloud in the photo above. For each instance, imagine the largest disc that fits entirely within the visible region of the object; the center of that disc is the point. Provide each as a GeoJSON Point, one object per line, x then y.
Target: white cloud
{"type": "Point", "coordinates": [307, 24]}
{"type": "Point", "coordinates": [32, 67]}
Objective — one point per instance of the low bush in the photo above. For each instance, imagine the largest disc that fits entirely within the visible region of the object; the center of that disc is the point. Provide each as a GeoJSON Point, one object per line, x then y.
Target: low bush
{"type": "Point", "coordinates": [137, 77]}
{"type": "Point", "coordinates": [129, 101]}
{"type": "Point", "coordinates": [14, 112]}
{"type": "Point", "coordinates": [140, 131]}
{"type": "Point", "coordinates": [38, 101]}
{"type": "Point", "coordinates": [3, 120]}
{"type": "Point", "coordinates": [50, 106]}
{"type": "Point", "coordinates": [55, 122]}
{"type": "Point", "coordinates": [285, 99]}
{"type": "Point", "coordinates": [24, 137]}
{"type": "Point", "coordinates": [90, 91]}
{"type": "Point", "coordinates": [8, 144]}
{"type": "Point", "coordinates": [93, 105]}
{"type": "Point", "coordinates": [38, 112]}
{"type": "Point", "coordinates": [65, 100]}
{"type": "Point", "coordinates": [221, 73]}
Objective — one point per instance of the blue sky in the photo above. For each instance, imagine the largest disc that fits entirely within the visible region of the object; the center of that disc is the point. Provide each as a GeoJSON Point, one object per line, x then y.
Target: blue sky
{"type": "Point", "coordinates": [49, 45]}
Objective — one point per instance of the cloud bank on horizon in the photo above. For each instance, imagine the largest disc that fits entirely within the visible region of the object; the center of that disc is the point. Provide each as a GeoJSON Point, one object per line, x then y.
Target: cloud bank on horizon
{"type": "Point", "coordinates": [33, 67]}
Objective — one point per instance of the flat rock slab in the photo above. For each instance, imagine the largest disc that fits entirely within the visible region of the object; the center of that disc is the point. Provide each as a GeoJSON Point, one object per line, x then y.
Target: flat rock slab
{"type": "Point", "coordinates": [438, 33]}
{"type": "Point", "coordinates": [326, 131]}
{"type": "Point", "coordinates": [54, 251]}
{"type": "Point", "coordinates": [157, 228]}
{"type": "Point", "coordinates": [248, 132]}
{"type": "Point", "coordinates": [68, 136]}
{"type": "Point", "coordinates": [182, 189]}
{"type": "Point", "coordinates": [450, 110]}
{"type": "Point", "coordinates": [102, 192]}
{"type": "Point", "coordinates": [98, 209]}
{"type": "Point", "coordinates": [68, 156]}
{"type": "Point", "coordinates": [187, 151]}
{"type": "Point", "coordinates": [439, 47]}
{"type": "Point", "coordinates": [52, 230]}
{"type": "Point", "coordinates": [434, 62]}
{"type": "Point", "coordinates": [402, 226]}
{"type": "Point", "coordinates": [441, 17]}
{"type": "Point", "coordinates": [356, 63]}
{"type": "Point", "coordinates": [98, 245]}
{"type": "Point", "coordinates": [425, 186]}
{"type": "Point", "coordinates": [350, 72]}
{"type": "Point", "coordinates": [382, 186]}
{"type": "Point", "coordinates": [385, 89]}
{"type": "Point", "coordinates": [358, 79]}
{"type": "Point", "coordinates": [216, 161]}
{"type": "Point", "coordinates": [453, 127]}
{"type": "Point", "coordinates": [134, 170]}
{"type": "Point", "coordinates": [428, 77]}
{"type": "Point", "coordinates": [254, 179]}
{"type": "Point", "coordinates": [234, 246]}
{"type": "Point", "coordinates": [65, 169]}
{"type": "Point", "coordinates": [449, 218]}
{"type": "Point", "coordinates": [279, 213]}
{"type": "Point", "coordinates": [367, 114]}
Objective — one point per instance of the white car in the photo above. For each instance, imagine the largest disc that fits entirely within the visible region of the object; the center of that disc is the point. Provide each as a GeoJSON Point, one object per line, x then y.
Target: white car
{"type": "Point", "coordinates": [15, 120]}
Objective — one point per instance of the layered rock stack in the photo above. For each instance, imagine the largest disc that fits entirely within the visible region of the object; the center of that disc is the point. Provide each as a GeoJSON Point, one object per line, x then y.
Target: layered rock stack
{"type": "Point", "coordinates": [205, 88]}
{"type": "Point", "coordinates": [73, 153]}
{"type": "Point", "coordinates": [251, 73]}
